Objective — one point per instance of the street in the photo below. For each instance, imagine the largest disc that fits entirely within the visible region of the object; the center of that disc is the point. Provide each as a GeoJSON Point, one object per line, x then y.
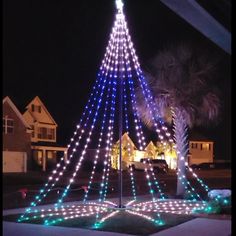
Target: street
{"type": "Point", "coordinates": [13, 184]}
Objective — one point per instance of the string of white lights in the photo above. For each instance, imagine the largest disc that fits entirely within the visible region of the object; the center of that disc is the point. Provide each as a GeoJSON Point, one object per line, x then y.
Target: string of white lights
{"type": "Point", "coordinates": [147, 94]}
{"type": "Point", "coordinates": [170, 206]}
{"type": "Point", "coordinates": [125, 70]}
{"type": "Point", "coordinates": [102, 194]}
{"type": "Point", "coordinates": [149, 218]}
{"type": "Point", "coordinates": [114, 70]}
{"type": "Point", "coordinates": [133, 188]}
{"type": "Point", "coordinates": [207, 189]}
{"type": "Point", "coordinates": [132, 94]}
{"type": "Point", "coordinates": [93, 98]}
{"type": "Point", "coordinates": [99, 141]}
{"type": "Point", "coordinates": [109, 142]}
{"type": "Point", "coordinates": [119, 62]}
{"type": "Point", "coordinates": [53, 178]}
{"type": "Point", "coordinates": [106, 169]}
{"type": "Point", "coordinates": [65, 192]}
{"type": "Point", "coordinates": [139, 132]}
{"type": "Point", "coordinates": [186, 183]}
{"type": "Point", "coordinates": [156, 183]}
{"type": "Point", "coordinates": [109, 97]}
{"type": "Point", "coordinates": [141, 138]}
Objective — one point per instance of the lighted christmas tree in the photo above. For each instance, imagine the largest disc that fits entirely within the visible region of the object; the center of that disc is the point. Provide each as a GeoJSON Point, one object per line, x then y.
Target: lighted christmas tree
{"type": "Point", "coordinates": [110, 112]}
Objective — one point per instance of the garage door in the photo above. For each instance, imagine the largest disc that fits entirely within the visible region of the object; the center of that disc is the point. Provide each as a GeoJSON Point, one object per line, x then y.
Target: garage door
{"type": "Point", "coordinates": [14, 162]}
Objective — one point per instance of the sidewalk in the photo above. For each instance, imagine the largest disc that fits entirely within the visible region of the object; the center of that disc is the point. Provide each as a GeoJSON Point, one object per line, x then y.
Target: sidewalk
{"type": "Point", "coordinates": [13, 229]}
{"type": "Point", "coordinates": [199, 227]}
{"type": "Point", "coordinates": [196, 227]}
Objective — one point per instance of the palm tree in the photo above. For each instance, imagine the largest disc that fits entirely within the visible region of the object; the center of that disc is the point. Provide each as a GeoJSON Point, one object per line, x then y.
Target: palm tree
{"type": "Point", "coordinates": [181, 85]}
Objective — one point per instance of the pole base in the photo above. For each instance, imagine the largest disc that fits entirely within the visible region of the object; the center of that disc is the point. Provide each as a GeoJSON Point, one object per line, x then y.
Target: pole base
{"type": "Point", "coordinates": [120, 207]}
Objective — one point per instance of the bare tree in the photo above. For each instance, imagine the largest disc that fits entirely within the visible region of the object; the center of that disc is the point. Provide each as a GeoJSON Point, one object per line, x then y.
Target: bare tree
{"type": "Point", "coordinates": [181, 83]}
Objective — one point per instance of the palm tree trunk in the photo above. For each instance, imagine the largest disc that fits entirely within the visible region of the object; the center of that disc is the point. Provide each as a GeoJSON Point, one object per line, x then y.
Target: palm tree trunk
{"type": "Point", "coordinates": [181, 140]}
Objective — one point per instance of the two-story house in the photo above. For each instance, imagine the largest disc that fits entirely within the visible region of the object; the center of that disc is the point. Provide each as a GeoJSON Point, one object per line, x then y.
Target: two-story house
{"type": "Point", "coordinates": [16, 139]}
{"type": "Point", "coordinates": [44, 134]}
{"type": "Point", "coordinates": [200, 149]}
{"type": "Point", "coordinates": [129, 152]}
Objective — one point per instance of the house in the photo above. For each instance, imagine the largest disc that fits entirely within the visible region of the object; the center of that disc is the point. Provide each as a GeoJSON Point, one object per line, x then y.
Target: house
{"type": "Point", "coordinates": [168, 153]}
{"type": "Point", "coordinates": [129, 152]}
{"type": "Point", "coordinates": [151, 150]}
{"type": "Point", "coordinates": [200, 149]}
{"type": "Point", "coordinates": [16, 139]}
{"type": "Point", "coordinates": [44, 149]}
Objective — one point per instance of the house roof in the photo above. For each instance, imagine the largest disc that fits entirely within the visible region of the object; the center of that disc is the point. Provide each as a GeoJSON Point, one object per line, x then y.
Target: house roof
{"type": "Point", "coordinates": [150, 144]}
{"type": "Point", "coordinates": [14, 108]}
{"type": "Point", "coordinates": [45, 109]}
{"type": "Point", "coordinates": [125, 135]}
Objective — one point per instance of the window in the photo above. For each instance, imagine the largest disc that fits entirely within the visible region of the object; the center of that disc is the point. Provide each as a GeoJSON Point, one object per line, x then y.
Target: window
{"type": "Point", "coordinates": [46, 133]}
{"type": "Point", "coordinates": [36, 108]}
{"type": "Point", "coordinates": [206, 146]}
{"type": "Point", "coordinates": [42, 133]}
{"type": "Point", "coordinates": [39, 157]}
{"type": "Point", "coordinates": [32, 134]}
{"type": "Point", "coordinates": [50, 154]}
{"type": "Point", "coordinates": [8, 125]}
{"type": "Point", "coordinates": [194, 145]}
{"type": "Point", "coordinates": [51, 134]}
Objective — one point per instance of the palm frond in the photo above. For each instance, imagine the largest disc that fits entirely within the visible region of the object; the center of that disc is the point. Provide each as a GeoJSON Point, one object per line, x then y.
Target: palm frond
{"type": "Point", "coordinates": [180, 79]}
{"type": "Point", "coordinates": [210, 108]}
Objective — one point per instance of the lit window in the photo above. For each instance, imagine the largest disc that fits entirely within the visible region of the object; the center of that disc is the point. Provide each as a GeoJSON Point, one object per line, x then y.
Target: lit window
{"type": "Point", "coordinates": [39, 157]}
{"type": "Point", "coordinates": [205, 146]}
{"type": "Point", "coordinates": [49, 154]}
{"type": "Point", "coordinates": [8, 125]}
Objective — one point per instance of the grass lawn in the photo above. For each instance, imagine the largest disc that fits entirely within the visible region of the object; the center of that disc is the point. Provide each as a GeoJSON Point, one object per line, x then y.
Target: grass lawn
{"type": "Point", "coordinates": [122, 222]}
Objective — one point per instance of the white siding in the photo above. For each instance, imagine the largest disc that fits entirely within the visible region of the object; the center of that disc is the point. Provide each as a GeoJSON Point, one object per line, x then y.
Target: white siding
{"type": "Point", "coordinates": [199, 153]}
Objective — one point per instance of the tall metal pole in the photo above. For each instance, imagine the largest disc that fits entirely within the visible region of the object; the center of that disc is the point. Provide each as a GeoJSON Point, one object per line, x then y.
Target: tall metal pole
{"type": "Point", "coordinates": [120, 146]}
{"type": "Point", "coordinates": [119, 5]}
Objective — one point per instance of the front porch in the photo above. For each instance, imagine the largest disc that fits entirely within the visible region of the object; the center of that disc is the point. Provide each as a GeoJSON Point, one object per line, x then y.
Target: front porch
{"type": "Point", "coordinates": [43, 155]}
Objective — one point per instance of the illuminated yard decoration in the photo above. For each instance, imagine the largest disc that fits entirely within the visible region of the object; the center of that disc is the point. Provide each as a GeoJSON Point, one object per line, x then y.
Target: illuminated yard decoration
{"type": "Point", "coordinates": [114, 88]}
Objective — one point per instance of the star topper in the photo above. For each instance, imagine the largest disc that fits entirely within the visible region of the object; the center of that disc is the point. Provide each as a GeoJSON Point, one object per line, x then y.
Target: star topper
{"type": "Point", "coordinates": [119, 5]}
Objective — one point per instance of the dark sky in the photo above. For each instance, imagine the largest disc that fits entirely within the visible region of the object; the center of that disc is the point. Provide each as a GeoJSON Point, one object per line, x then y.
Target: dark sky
{"type": "Point", "coordinates": [54, 48]}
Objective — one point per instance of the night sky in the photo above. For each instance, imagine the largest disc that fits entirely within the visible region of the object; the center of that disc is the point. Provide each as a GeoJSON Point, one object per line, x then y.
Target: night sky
{"type": "Point", "coordinates": [54, 48]}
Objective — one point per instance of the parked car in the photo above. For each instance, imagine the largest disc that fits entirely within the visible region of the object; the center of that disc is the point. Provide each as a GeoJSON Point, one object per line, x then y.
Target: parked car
{"type": "Point", "coordinates": [206, 166]}
{"type": "Point", "coordinates": [223, 165]}
{"type": "Point", "coordinates": [162, 164]}
{"type": "Point", "coordinates": [210, 165]}
{"type": "Point", "coordinates": [158, 165]}
{"type": "Point", "coordinates": [194, 166]}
